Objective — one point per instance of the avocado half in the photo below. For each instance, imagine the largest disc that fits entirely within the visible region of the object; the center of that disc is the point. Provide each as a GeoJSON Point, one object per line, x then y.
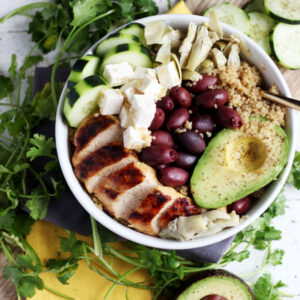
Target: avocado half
{"type": "Point", "coordinates": [217, 282]}
{"type": "Point", "coordinates": [238, 162]}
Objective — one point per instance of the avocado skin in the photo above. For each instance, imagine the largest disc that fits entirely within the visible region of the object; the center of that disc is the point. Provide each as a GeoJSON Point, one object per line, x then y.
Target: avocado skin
{"type": "Point", "coordinates": [210, 189]}
{"type": "Point", "coordinates": [211, 273]}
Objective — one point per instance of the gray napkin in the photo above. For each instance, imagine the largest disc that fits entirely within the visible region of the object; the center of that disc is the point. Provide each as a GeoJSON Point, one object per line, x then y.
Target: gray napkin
{"type": "Point", "coordinates": [65, 211]}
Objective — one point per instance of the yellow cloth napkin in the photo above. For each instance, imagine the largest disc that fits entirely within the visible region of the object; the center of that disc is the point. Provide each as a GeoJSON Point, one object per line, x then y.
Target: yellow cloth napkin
{"type": "Point", "coordinates": [85, 284]}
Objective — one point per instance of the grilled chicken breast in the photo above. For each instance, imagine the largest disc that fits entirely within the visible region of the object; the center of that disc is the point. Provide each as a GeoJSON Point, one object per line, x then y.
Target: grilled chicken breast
{"type": "Point", "coordinates": [102, 162]}
{"type": "Point", "coordinates": [122, 191]}
{"type": "Point", "coordinates": [155, 207]}
{"type": "Point", "coordinates": [93, 133]}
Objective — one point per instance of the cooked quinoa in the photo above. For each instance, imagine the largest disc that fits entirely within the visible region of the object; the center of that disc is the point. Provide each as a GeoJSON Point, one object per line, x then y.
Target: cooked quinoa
{"type": "Point", "coordinates": [244, 85]}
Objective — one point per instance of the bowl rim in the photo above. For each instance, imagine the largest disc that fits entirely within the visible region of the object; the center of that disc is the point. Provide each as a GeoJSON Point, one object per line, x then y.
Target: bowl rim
{"type": "Point", "coordinates": [126, 232]}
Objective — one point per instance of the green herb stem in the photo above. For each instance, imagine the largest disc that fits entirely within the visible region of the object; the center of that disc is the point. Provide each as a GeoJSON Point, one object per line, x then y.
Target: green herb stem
{"type": "Point", "coordinates": [110, 290]}
{"type": "Point", "coordinates": [96, 238]}
{"type": "Point", "coordinates": [23, 9]}
{"type": "Point", "coordinates": [57, 293]}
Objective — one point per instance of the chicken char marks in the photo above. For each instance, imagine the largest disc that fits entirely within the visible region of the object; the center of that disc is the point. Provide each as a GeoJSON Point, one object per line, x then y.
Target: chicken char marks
{"type": "Point", "coordinates": [93, 133]}
{"type": "Point", "coordinates": [162, 205]}
{"type": "Point", "coordinates": [122, 191]}
{"type": "Point", "coordinates": [102, 162]}
{"type": "Point", "coordinates": [126, 188]}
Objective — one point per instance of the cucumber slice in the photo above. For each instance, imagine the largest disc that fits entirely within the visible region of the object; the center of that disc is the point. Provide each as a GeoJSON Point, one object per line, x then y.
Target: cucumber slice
{"type": "Point", "coordinates": [115, 40]}
{"type": "Point", "coordinates": [232, 15]}
{"type": "Point", "coordinates": [254, 5]}
{"type": "Point", "coordinates": [285, 43]}
{"type": "Point", "coordinates": [82, 99]}
{"type": "Point", "coordinates": [83, 67]}
{"type": "Point", "coordinates": [135, 54]}
{"type": "Point", "coordinates": [136, 29]}
{"type": "Point", "coordinates": [260, 28]}
{"type": "Point", "coordinates": [287, 11]}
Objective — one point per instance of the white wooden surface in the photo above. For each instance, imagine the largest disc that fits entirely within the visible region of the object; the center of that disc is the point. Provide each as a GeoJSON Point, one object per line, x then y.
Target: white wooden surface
{"type": "Point", "coordinates": [13, 39]}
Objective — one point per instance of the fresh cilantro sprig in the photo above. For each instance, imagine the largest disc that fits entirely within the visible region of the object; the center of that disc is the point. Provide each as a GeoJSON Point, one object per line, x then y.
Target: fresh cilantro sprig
{"type": "Point", "coordinates": [294, 177]}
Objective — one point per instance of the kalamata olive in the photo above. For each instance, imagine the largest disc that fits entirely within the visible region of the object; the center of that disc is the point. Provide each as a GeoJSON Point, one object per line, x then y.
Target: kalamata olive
{"type": "Point", "coordinates": [241, 206]}
{"type": "Point", "coordinates": [202, 84]}
{"type": "Point", "coordinates": [163, 138]}
{"type": "Point", "coordinates": [177, 118]}
{"type": "Point", "coordinates": [203, 123]}
{"type": "Point", "coordinates": [172, 176]}
{"type": "Point", "coordinates": [185, 160]}
{"type": "Point", "coordinates": [160, 167]}
{"type": "Point", "coordinates": [181, 96]}
{"type": "Point", "coordinates": [228, 117]}
{"type": "Point", "coordinates": [192, 142]}
{"type": "Point", "coordinates": [166, 103]}
{"type": "Point", "coordinates": [211, 98]}
{"type": "Point", "coordinates": [213, 297]}
{"type": "Point", "coordinates": [158, 154]}
{"type": "Point", "coordinates": [158, 119]}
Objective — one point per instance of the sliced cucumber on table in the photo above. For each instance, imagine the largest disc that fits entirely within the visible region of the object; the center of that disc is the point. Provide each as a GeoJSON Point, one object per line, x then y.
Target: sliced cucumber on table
{"type": "Point", "coordinates": [82, 99]}
{"type": "Point", "coordinates": [254, 5]}
{"type": "Point", "coordinates": [232, 15]}
{"type": "Point", "coordinates": [287, 11]}
{"type": "Point", "coordinates": [285, 43]}
{"type": "Point", "coordinates": [260, 28]}
{"type": "Point", "coordinates": [83, 67]}
{"type": "Point", "coordinates": [135, 54]}
{"type": "Point", "coordinates": [136, 29]}
{"type": "Point", "coordinates": [115, 40]}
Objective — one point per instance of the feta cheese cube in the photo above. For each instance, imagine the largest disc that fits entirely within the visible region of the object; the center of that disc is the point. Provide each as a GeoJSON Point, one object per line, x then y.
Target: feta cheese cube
{"type": "Point", "coordinates": [137, 138]}
{"type": "Point", "coordinates": [140, 72]}
{"type": "Point", "coordinates": [142, 110]}
{"type": "Point", "coordinates": [118, 74]}
{"type": "Point", "coordinates": [168, 75]}
{"type": "Point", "coordinates": [150, 87]}
{"type": "Point", "coordinates": [124, 116]}
{"type": "Point", "coordinates": [111, 101]}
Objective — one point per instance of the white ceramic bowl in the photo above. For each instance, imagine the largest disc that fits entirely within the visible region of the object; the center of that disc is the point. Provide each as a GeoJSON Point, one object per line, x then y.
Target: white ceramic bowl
{"type": "Point", "coordinates": [271, 75]}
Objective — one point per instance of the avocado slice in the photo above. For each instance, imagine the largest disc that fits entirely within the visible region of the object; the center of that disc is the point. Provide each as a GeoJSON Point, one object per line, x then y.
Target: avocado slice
{"type": "Point", "coordinates": [217, 282]}
{"type": "Point", "coordinates": [238, 162]}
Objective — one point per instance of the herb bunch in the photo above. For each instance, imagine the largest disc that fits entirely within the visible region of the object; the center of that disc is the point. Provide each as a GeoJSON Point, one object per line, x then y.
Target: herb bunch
{"type": "Point", "coordinates": [66, 26]}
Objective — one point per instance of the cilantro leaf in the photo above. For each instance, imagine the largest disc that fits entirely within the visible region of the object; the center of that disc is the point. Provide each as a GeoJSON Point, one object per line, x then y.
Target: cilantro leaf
{"type": "Point", "coordinates": [42, 103]}
{"type": "Point", "coordinates": [28, 262]}
{"type": "Point", "coordinates": [145, 7]}
{"type": "Point", "coordinates": [37, 206]}
{"type": "Point", "coordinates": [71, 244]}
{"type": "Point", "coordinates": [64, 268]}
{"type": "Point", "coordinates": [294, 177]}
{"type": "Point", "coordinates": [276, 257]}
{"type": "Point", "coordinates": [6, 86]}
{"type": "Point", "coordinates": [264, 288]}
{"type": "Point", "coordinates": [43, 147]}
{"type": "Point", "coordinates": [85, 10]}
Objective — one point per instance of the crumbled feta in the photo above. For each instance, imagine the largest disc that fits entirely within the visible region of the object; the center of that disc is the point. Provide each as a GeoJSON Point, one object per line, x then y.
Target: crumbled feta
{"type": "Point", "coordinates": [142, 110]}
{"type": "Point", "coordinates": [137, 138]}
{"type": "Point", "coordinates": [118, 74]}
{"type": "Point", "coordinates": [140, 72]}
{"type": "Point", "coordinates": [124, 116]}
{"type": "Point", "coordinates": [111, 101]}
{"type": "Point", "coordinates": [168, 75]}
{"type": "Point", "coordinates": [150, 87]}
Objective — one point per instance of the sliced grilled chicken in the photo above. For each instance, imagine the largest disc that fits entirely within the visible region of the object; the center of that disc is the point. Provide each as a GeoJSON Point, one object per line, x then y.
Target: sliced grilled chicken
{"type": "Point", "coordinates": [146, 217]}
{"type": "Point", "coordinates": [122, 191]}
{"type": "Point", "coordinates": [95, 132]}
{"type": "Point", "coordinates": [102, 162]}
{"type": "Point", "coordinates": [181, 207]}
